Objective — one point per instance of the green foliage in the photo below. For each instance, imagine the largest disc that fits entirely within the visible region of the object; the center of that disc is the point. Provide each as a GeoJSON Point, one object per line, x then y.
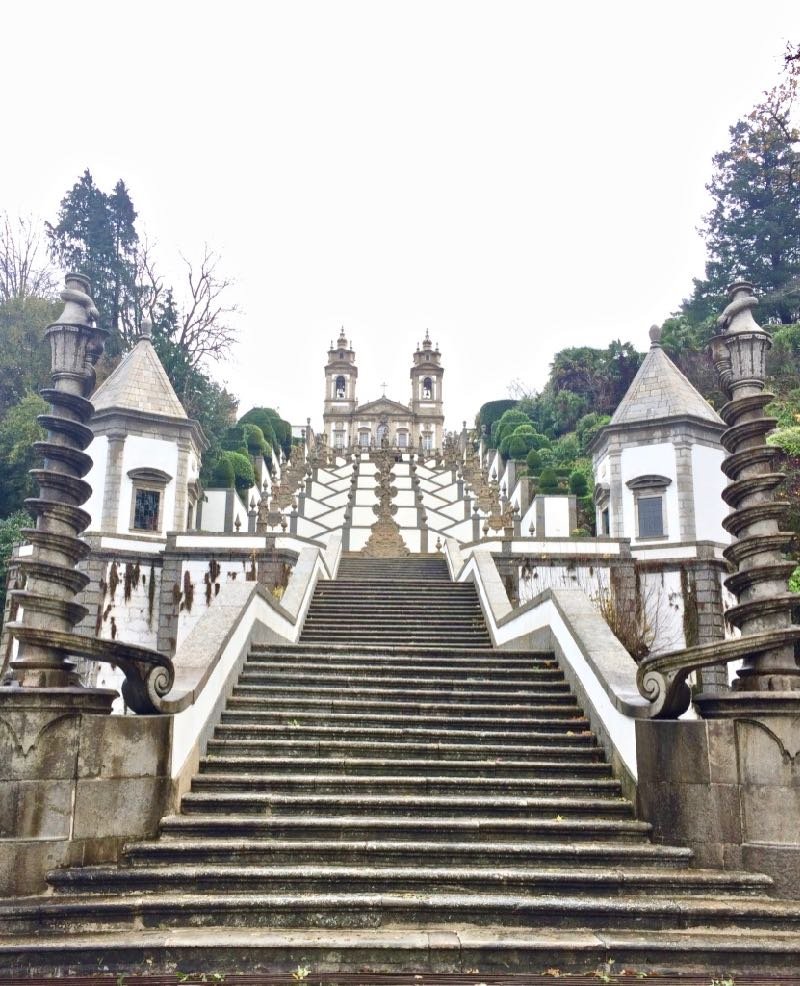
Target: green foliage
{"type": "Point", "coordinates": [787, 439]}
{"type": "Point", "coordinates": [508, 422]}
{"type": "Point", "coordinates": [753, 227]}
{"type": "Point", "coordinates": [10, 534]}
{"type": "Point", "coordinates": [19, 429]}
{"type": "Point", "coordinates": [794, 580]}
{"type": "Point", "coordinates": [254, 439]}
{"type": "Point", "coordinates": [223, 475]}
{"type": "Point", "coordinates": [578, 483]}
{"type": "Point", "coordinates": [566, 449]}
{"type": "Point", "coordinates": [95, 233]}
{"type": "Point", "coordinates": [492, 411]}
{"type": "Point", "coordinates": [243, 475]}
{"type": "Point", "coordinates": [533, 461]}
{"type": "Point", "coordinates": [548, 481]}
{"type": "Point", "coordinates": [518, 445]}
{"type": "Point", "coordinates": [587, 427]}
{"type": "Point", "coordinates": [24, 354]}
{"type": "Point", "coordinates": [277, 432]}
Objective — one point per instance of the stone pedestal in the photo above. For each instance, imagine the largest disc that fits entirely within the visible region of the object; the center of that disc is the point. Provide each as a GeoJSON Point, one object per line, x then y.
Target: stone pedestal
{"type": "Point", "coordinates": [729, 788]}
{"type": "Point", "coordinates": [77, 783]}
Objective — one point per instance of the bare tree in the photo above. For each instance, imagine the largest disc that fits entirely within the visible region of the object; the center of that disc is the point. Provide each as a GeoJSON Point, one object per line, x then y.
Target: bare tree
{"type": "Point", "coordinates": [202, 327]}
{"type": "Point", "coordinates": [24, 271]}
{"type": "Point", "coordinates": [205, 330]}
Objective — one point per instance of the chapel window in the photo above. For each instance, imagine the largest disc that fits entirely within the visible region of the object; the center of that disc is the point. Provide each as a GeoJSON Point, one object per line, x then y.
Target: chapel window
{"type": "Point", "coordinates": [649, 493]}
{"type": "Point", "coordinates": [340, 388]}
{"type": "Point", "coordinates": [146, 509]}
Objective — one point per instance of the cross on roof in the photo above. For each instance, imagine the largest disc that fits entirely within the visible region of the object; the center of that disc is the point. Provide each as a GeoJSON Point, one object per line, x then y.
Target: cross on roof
{"type": "Point", "coordinates": [384, 389]}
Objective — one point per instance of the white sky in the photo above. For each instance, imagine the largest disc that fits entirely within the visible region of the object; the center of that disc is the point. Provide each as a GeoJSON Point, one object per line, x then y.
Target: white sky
{"type": "Point", "coordinates": [515, 177]}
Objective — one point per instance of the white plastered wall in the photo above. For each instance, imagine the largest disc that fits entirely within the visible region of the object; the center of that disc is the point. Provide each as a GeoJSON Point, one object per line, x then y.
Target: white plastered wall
{"type": "Point", "coordinates": [644, 460]}
{"type": "Point", "coordinates": [150, 453]}
{"type": "Point", "coordinates": [96, 478]}
{"type": "Point", "coordinates": [709, 482]}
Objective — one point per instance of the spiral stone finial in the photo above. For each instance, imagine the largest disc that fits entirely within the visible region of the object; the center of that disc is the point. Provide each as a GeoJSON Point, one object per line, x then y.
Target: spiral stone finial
{"type": "Point", "coordinates": [759, 545]}
{"type": "Point", "coordinates": [50, 578]}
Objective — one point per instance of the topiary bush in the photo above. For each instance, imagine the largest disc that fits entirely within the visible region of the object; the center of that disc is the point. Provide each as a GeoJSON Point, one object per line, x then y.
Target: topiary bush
{"type": "Point", "coordinates": [223, 474]}
{"type": "Point", "coordinates": [548, 481]}
{"type": "Point", "coordinates": [578, 483]}
{"type": "Point", "coordinates": [254, 439]}
{"type": "Point", "coordinates": [243, 475]}
{"type": "Point", "coordinates": [533, 461]}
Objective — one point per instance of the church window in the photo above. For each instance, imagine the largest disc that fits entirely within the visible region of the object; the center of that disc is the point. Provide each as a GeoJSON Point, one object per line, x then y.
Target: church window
{"type": "Point", "coordinates": [649, 498]}
{"type": "Point", "coordinates": [605, 522]}
{"type": "Point", "coordinates": [650, 516]}
{"type": "Point", "coordinates": [340, 388]}
{"type": "Point", "coordinates": [402, 439]}
{"type": "Point", "coordinates": [338, 439]}
{"type": "Point", "coordinates": [147, 500]}
{"type": "Point", "coordinates": [427, 389]}
{"type": "Point", "coordinates": [147, 504]}
{"type": "Point", "coordinates": [363, 438]}
{"type": "Point", "coordinates": [427, 441]}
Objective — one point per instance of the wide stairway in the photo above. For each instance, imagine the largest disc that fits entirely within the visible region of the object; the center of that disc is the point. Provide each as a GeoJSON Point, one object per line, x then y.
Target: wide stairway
{"type": "Point", "coordinates": [393, 794]}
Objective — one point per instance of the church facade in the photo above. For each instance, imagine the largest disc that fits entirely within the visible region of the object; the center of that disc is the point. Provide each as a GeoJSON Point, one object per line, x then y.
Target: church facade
{"type": "Point", "coordinates": [383, 422]}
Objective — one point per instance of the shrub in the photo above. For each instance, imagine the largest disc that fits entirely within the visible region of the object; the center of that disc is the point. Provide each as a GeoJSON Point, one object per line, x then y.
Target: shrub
{"type": "Point", "coordinates": [578, 483]}
{"type": "Point", "coordinates": [491, 412]}
{"type": "Point", "coordinates": [533, 461]}
{"type": "Point", "coordinates": [508, 422]}
{"type": "Point", "coordinates": [223, 475]}
{"type": "Point", "coordinates": [548, 481]}
{"type": "Point", "coordinates": [243, 475]}
{"type": "Point", "coordinates": [254, 439]}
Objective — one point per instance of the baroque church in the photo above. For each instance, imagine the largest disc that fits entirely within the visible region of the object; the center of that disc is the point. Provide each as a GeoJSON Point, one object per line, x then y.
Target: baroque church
{"type": "Point", "coordinates": [397, 648]}
{"type": "Point", "coordinates": [383, 422]}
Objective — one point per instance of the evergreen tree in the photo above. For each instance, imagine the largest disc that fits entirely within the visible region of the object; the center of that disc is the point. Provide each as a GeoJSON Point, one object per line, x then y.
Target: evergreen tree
{"type": "Point", "coordinates": [753, 228]}
{"type": "Point", "coordinates": [96, 234]}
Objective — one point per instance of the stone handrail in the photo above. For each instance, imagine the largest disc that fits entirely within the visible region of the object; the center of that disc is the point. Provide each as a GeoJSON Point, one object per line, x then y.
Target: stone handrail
{"type": "Point", "coordinates": [661, 678]}
{"type": "Point", "coordinates": [598, 667]}
{"type": "Point", "coordinates": [208, 661]}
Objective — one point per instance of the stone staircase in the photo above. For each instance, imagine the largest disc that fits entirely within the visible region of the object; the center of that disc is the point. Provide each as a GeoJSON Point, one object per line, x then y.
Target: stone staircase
{"type": "Point", "coordinates": [393, 794]}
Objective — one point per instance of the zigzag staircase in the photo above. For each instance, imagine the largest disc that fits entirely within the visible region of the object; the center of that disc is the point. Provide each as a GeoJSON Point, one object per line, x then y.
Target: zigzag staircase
{"type": "Point", "coordinates": [393, 794]}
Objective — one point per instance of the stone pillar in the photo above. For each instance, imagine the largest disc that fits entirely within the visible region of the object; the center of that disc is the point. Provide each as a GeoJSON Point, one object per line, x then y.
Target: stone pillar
{"type": "Point", "coordinates": [685, 485]}
{"type": "Point", "coordinates": [112, 488]}
{"type": "Point", "coordinates": [181, 511]}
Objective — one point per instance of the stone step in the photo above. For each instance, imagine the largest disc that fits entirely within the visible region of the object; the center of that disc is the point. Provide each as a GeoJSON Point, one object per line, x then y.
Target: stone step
{"type": "Point", "coordinates": [387, 638]}
{"type": "Point", "coordinates": [234, 740]}
{"type": "Point", "coordinates": [389, 698]}
{"type": "Point", "coordinates": [304, 659]}
{"type": "Point", "coordinates": [388, 679]}
{"type": "Point", "coordinates": [434, 952]}
{"type": "Point", "coordinates": [455, 658]}
{"type": "Point", "coordinates": [629, 881]}
{"type": "Point", "coordinates": [383, 766]}
{"type": "Point", "coordinates": [508, 738]}
{"type": "Point", "coordinates": [259, 852]}
{"type": "Point", "coordinates": [371, 827]}
{"type": "Point", "coordinates": [552, 806]}
{"type": "Point", "coordinates": [239, 710]}
{"type": "Point", "coordinates": [344, 702]}
{"type": "Point", "coordinates": [370, 910]}
{"type": "Point", "coordinates": [322, 783]}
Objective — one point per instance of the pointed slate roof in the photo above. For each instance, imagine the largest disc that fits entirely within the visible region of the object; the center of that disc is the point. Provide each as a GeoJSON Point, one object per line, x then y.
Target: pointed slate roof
{"type": "Point", "coordinates": [660, 390]}
{"type": "Point", "coordinates": [139, 383]}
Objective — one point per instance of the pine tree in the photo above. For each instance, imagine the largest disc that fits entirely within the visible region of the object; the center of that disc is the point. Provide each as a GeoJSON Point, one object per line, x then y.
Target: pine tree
{"type": "Point", "coordinates": [753, 228]}
{"type": "Point", "coordinates": [96, 235]}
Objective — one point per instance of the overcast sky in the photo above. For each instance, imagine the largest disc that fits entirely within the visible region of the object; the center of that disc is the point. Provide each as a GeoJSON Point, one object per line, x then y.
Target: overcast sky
{"type": "Point", "coordinates": [514, 177]}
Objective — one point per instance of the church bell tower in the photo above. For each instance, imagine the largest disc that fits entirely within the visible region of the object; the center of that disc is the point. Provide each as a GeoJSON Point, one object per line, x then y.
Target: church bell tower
{"type": "Point", "coordinates": [426, 396]}
{"type": "Point", "coordinates": [340, 392]}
